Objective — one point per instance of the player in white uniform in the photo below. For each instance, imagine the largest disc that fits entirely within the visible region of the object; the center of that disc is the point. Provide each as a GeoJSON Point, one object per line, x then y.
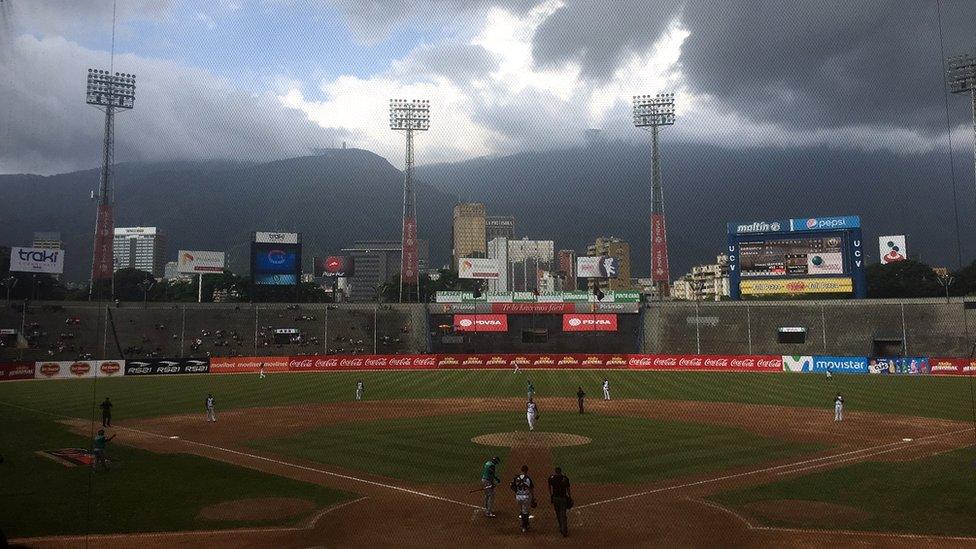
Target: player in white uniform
{"type": "Point", "coordinates": [262, 376]}
{"type": "Point", "coordinates": [359, 389]}
{"type": "Point", "coordinates": [839, 408]}
{"type": "Point", "coordinates": [524, 496]}
{"type": "Point", "coordinates": [531, 414]}
{"type": "Point", "coordinates": [606, 389]}
{"type": "Point", "coordinates": [211, 412]}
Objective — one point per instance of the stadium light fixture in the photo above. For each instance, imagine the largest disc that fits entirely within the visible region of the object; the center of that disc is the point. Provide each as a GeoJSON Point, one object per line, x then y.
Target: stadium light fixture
{"type": "Point", "coordinates": [650, 113]}
{"type": "Point", "coordinates": [409, 116]}
{"type": "Point", "coordinates": [111, 90]}
{"type": "Point", "coordinates": [961, 77]}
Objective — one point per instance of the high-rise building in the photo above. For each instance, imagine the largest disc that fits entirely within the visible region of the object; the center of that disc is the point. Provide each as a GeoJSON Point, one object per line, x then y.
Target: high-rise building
{"type": "Point", "coordinates": [566, 269]}
{"type": "Point", "coordinates": [704, 282]}
{"type": "Point", "coordinates": [524, 264]}
{"type": "Point", "coordinates": [499, 225]}
{"type": "Point", "coordinates": [613, 247]}
{"type": "Point", "coordinates": [468, 231]}
{"type": "Point", "coordinates": [141, 248]}
{"type": "Point", "coordinates": [498, 250]}
{"type": "Point", "coordinates": [377, 262]}
{"type": "Point", "coordinates": [48, 240]}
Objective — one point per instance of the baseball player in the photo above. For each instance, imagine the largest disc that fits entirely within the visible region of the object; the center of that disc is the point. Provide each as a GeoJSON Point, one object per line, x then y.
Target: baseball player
{"type": "Point", "coordinates": [211, 413]}
{"type": "Point", "coordinates": [106, 407]}
{"type": "Point", "coordinates": [261, 371]}
{"type": "Point", "coordinates": [580, 395]}
{"type": "Point", "coordinates": [98, 449]}
{"type": "Point", "coordinates": [516, 370]}
{"type": "Point", "coordinates": [359, 389]}
{"type": "Point", "coordinates": [531, 413]}
{"type": "Point", "coordinates": [606, 389]}
{"type": "Point", "coordinates": [839, 408]}
{"type": "Point", "coordinates": [489, 479]}
{"type": "Point", "coordinates": [524, 496]}
{"type": "Point", "coordinates": [830, 375]}
{"type": "Point", "coordinates": [530, 389]}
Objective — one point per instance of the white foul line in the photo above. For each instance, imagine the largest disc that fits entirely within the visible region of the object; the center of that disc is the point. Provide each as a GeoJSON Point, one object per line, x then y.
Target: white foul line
{"type": "Point", "coordinates": [310, 469]}
{"type": "Point", "coordinates": [767, 469]}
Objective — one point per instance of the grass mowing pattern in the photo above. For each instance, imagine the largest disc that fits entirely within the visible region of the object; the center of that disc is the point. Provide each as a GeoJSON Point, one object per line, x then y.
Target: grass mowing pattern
{"type": "Point", "coordinates": [144, 492]}
{"type": "Point", "coordinates": [924, 396]}
{"type": "Point", "coordinates": [438, 450]}
{"type": "Point", "coordinates": [930, 496]}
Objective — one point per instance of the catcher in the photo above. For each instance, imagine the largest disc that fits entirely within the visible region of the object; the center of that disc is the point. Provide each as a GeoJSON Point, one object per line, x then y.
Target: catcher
{"type": "Point", "coordinates": [524, 496]}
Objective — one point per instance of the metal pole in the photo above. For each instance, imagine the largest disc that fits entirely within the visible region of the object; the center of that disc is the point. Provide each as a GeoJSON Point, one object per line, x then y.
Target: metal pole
{"type": "Point", "coordinates": [904, 332]}
{"type": "Point", "coordinates": [375, 327]}
{"type": "Point", "coordinates": [255, 330]}
{"type": "Point", "coordinates": [972, 93]}
{"type": "Point", "coordinates": [183, 333]}
{"type": "Point", "coordinates": [200, 288]}
{"type": "Point", "coordinates": [749, 327]}
{"type": "Point", "coordinates": [407, 197]}
{"type": "Point", "coordinates": [823, 326]}
{"type": "Point", "coordinates": [697, 328]}
{"type": "Point", "coordinates": [105, 334]}
{"type": "Point", "coordinates": [325, 336]}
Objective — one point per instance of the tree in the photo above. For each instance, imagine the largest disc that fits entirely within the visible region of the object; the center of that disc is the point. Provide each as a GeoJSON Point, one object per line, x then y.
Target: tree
{"type": "Point", "coordinates": [128, 284]}
{"type": "Point", "coordinates": [446, 281]}
{"type": "Point", "coordinates": [902, 279]}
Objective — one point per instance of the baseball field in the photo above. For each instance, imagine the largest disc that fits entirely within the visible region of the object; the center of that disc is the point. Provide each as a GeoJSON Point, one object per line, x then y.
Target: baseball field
{"type": "Point", "coordinates": [674, 459]}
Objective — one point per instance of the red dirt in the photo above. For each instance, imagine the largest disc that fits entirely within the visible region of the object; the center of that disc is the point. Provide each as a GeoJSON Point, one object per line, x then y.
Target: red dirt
{"type": "Point", "coordinates": [256, 509]}
{"type": "Point", "coordinates": [799, 512]}
{"type": "Point", "coordinates": [661, 513]}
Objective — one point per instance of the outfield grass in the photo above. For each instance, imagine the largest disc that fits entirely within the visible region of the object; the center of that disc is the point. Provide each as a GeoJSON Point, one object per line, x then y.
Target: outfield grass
{"type": "Point", "coordinates": [932, 495]}
{"type": "Point", "coordinates": [925, 396]}
{"type": "Point", "coordinates": [144, 491]}
{"type": "Point", "coordinates": [623, 449]}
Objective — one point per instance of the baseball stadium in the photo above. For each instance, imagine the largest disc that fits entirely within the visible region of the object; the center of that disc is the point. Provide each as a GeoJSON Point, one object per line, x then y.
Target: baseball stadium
{"type": "Point", "coordinates": [386, 447]}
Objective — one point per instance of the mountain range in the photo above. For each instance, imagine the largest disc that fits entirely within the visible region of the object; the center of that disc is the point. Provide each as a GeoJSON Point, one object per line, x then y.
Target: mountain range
{"type": "Point", "coordinates": [571, 196]}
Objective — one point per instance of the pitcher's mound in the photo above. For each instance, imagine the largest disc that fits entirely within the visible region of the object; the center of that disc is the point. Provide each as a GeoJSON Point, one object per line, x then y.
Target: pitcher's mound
{"type": "Point", "coordinates": [801, 512]}
{"type": "Point", "coordinates": [537, 439]}
{"type": "Point", "coordinates": [256, 509]}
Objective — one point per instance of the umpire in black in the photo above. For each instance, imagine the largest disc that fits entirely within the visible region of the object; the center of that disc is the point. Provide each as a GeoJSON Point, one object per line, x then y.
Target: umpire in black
{"type": "Point", "coordinates": [561, 498]}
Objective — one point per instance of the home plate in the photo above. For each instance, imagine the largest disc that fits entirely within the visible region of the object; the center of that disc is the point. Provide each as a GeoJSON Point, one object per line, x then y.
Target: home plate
{"type": "Point", "coordinates": [906, 440]}
{"type": "Point", "coordinates": [174, 437]}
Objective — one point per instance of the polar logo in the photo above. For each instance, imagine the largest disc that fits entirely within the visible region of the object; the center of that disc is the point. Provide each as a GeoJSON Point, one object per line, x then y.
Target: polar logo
{"type": "Point", "coordinates": [466, 322]}
{"type": "Point", "coordinates": [575, 321]}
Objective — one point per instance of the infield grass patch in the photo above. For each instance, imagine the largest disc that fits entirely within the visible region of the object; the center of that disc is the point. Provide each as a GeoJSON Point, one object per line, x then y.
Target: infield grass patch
{"type": "Point", "coordinates": [438, 450]}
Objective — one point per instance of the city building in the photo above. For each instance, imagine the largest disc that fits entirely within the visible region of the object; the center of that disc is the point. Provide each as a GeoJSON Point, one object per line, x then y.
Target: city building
{"type": "Point", "coordinates": [499, 225]}
{"type": "Point", "coordinates": [524, 264]}
{"type": "Point", "coordinates": [704, 282]}
{"type": "Point", "coordinates": [613, 247]}
{"type": "Point", "coordinates": [566, 269]}
{"type": "Point", "coordinates": [171, 270]}
{"type": "Point", "coordinates": [377, 262]}
{"type": "Point", "coordinates": [141, 248]}
{"type": "Point", "coordinates": [468, 231]}
{"type": "Point", "coordinates": [48, 240]}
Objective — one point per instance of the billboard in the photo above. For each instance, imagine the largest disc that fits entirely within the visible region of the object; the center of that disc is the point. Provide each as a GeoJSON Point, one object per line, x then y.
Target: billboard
{"type": "Point", "coordinates": [276, 264]}
{"type": "Point", "coordinates": [410, 260]}
{"type": "Point", "coordinates": [589, 322]}
{"type": "Point", "coordinates": [276, 238]}
{"type": "Point", "coordinates": [659, 251]}
{"type": "Point", "coordinates": [335, 266]}
{"type": "Point", "coordinates": [597, 267]}
{"type": "Point", "coordinates": [797, 256]}
{"type": "Point", "coordinates": [475, 267]}
{"type": "Point", "coordinates": [195, 262]}
{"type": "Point", "coordinates": [163, 366]}
{"type": "Point", "coordinates": [78, 369]}
{"type": "Point", "coordinates": [36, 260]}
{"type": "Point", "coordinates": [481, 323]}
{"type": "Point", "coordinates": [247, 364]}
{"type": "Point", "coordinates": [892, 249]}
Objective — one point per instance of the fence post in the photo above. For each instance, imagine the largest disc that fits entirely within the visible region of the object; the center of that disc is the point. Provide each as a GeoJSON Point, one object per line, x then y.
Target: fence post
{"type": "Point", "coordinates": [183, 333]}
{"type": "Point", "coordinates": [376, 308]}
{"type": "Point", "coordinates": [823, 326]}
{"type": "Point", "coordinates": [749, 326]}
{"type": "Point", "coordinates": [325, 335]}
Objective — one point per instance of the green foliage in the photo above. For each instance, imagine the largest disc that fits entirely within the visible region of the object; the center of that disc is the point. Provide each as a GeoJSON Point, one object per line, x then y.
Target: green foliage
{"type": "Point", "coordinates": [902, 279]}
{"type": "Point", "coordinates": [447, 280]}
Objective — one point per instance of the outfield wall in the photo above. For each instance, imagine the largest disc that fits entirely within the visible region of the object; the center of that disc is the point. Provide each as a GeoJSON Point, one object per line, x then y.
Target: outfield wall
{"type": "Point", "coordinates": [816, 364]}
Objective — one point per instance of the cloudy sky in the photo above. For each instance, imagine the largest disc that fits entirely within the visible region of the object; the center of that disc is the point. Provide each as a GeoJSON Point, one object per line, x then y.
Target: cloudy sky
{"type": "Point", "coordinates": [263, 79]}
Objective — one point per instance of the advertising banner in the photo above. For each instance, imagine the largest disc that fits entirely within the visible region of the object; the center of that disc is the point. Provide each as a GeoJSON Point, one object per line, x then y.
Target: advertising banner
{"type": "Point", "coordinates": [597, 267]}
{"type": "Point", "coordinates": [912, 365]}
{"type": "Point", "coordinates": [797, 363]}
{"type": "Point", "coordinates": [36, 260]}
{"type": "Point", "coordinates": [276, 264]}
{"type": "Point", "coordinates": [602, 307]}
{"type": "Point", "coordinates": [826, 223]}
{"type": "Point", "coordinates": [321, 363]}
{"type": "Point", "coordinates": [827, 263]}
{"type": "Point", "coordinates": [589, 323]}
{"type": "Point", "coordinates": [193, 262]}
{"type": "Point", "coordinates": [881, 365]}
{"type": "Point", "coordinates": [529, 361]}
{"type": "Point", "coordinates": [707, 363]}
{"type": "Point", "coordinates": [892, 248]}
{"type": "Point", "coordinates": [163, 366]}
{"type": "Point", "coordinates": [481, 323]}
{"type": "Point", "coordinates": [479, 268]}
{"type": "Point", "coordinates": [247, 364]}
{"type": "Point", "coordinates": [335, 266]}
{"type": "Point", "coordinates": [796, 286]}
{"type": "Point", "coordinates": [659, 249]}
{"type": "Point", "coordinates": [533, 308]}
{"type": "Point", "coordinates": [840, 364]}
{"type": "Point", "coordinates": [10, 371]}
{"type": "Point", "coordinates": [78, 369]}
{"type": "Point", "coordinates": [410, 260]}
{"type": "Point", "coordinates": [448, 297]}
{"type": "Point", "coordinates": [276, 238]}
{"type": "Point", "coordinates": [952, 366]}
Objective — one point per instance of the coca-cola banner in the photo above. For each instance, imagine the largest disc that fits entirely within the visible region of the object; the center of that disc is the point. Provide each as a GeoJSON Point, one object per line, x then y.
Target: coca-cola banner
{"type": "Point", "coordinates": [78, 369]}
{"type": "Point", "coordinates": [247, 364]}
{"type": "Point", "coordinates": [320, 363]}
{"type": "Point", "coordinates": [710, 363]}
{"type": "Point", "coordinates": [16, 370]}
{"type": "Point", "coordinates": [952, 366]}
{"type": "Point", "coordinates": [481, 323]}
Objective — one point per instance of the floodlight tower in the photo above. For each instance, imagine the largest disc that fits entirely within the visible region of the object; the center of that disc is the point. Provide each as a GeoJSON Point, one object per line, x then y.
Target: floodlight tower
{"type": "Point", "coordinates": [962, 79]}
{"type": "Point", "coordinates": [653, 111]}
{"type": "Point", "coordinates": [109, 93]}
{"type": "Point", "coordinates": [408, 117]}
